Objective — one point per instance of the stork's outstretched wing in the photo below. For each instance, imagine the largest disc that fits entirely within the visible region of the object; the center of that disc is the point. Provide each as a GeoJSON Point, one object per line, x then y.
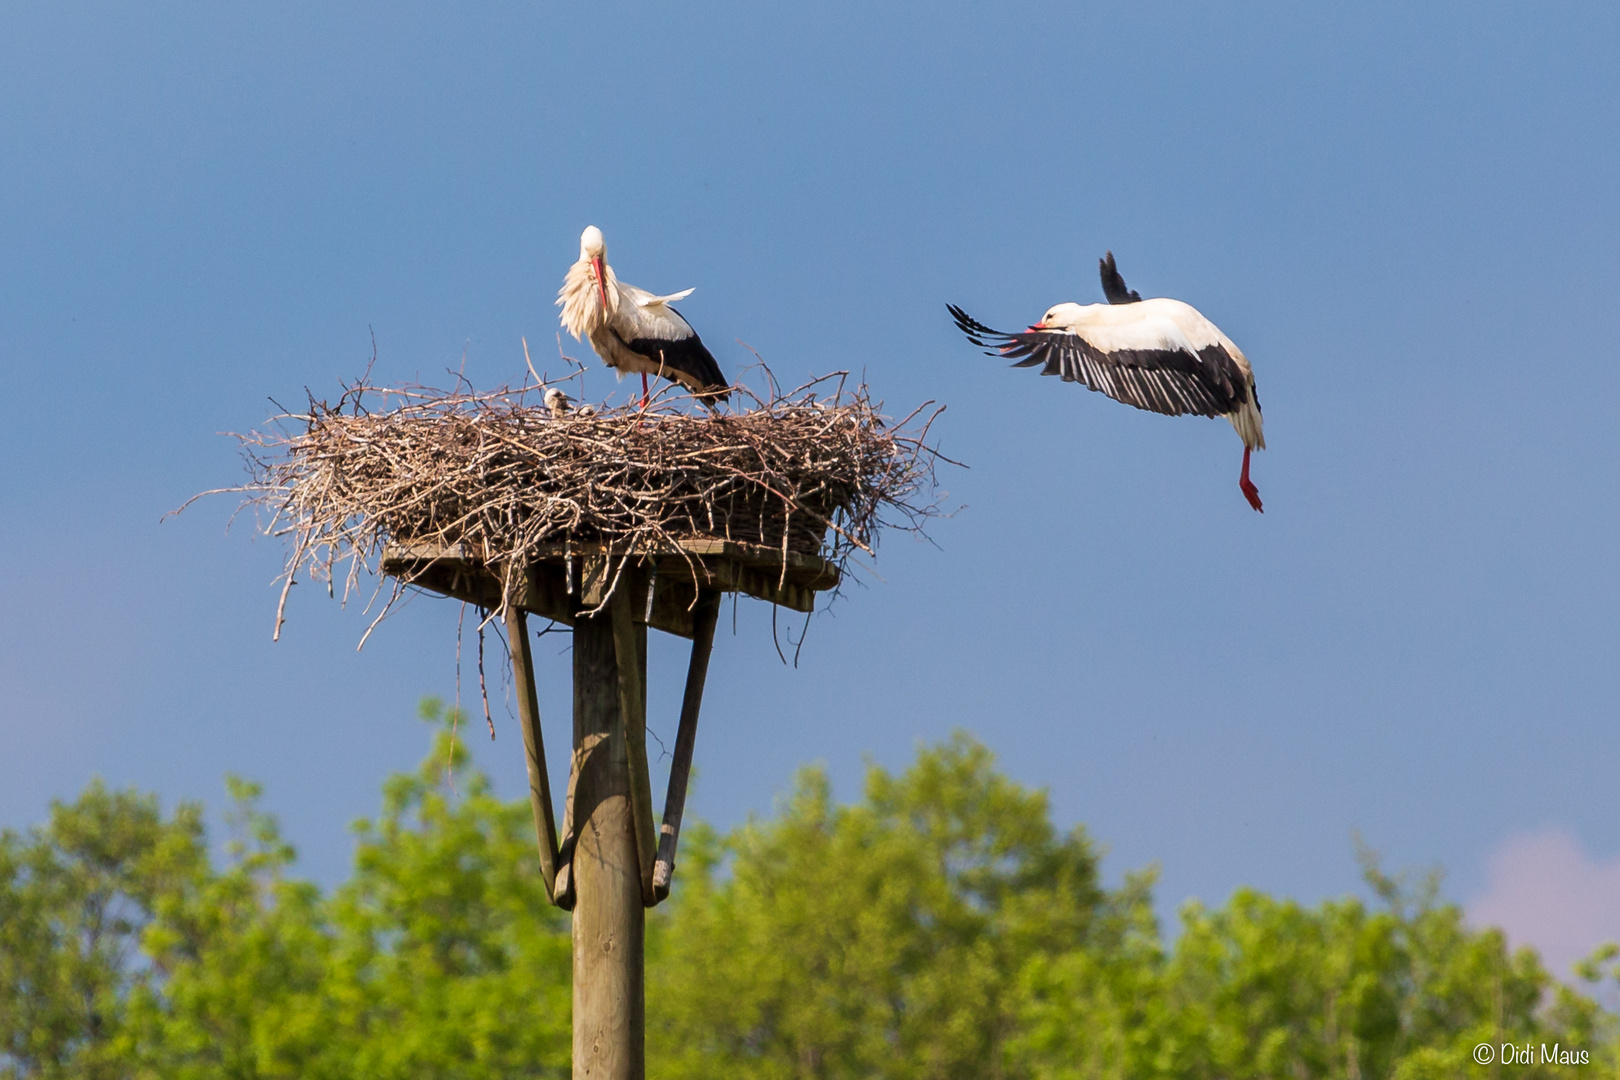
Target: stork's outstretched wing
{"type": "Point", "coordinates": [1114, 284]}
{"type": "Point", "coordinates": [1150, 365]}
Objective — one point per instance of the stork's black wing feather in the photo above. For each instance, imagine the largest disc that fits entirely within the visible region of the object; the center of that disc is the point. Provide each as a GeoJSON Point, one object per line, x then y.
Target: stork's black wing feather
{"type": "Point", "coordinates": [1170, 381]}
{"type": "Point", "coordinates": [978, 333]}
{"type": "Point", "coordinates": [686, 361]}
{"type": "Point", "coordinates": [1114, 284]}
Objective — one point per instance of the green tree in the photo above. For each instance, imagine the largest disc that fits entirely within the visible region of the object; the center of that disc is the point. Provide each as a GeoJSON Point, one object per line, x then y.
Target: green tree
{"type": "Point", "coordinates": [440, 957]}
{"type": "Point", "coordinates": [939, 927]}
{"type": "Point", "coordinates": [447, 958]}
{"type": "Point", "coordinates": [1097, 1012]}
{"type": "Point", "coordinates": [235, 958]}
{"type": "Point", "coordinates": [76, 895]}
{"type": "Point", "coordinates": [885, 938]}
{"type": "Point", "coordinates": [1266, 987]}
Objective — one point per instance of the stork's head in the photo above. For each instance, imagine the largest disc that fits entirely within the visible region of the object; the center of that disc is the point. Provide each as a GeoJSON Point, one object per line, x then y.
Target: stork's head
{"type": "Point", "coordinates": [591, 244]}
{"type": "Point", "coordinates": [1058, 317]}
{"type": "Point", "coordinates": [593, 251]}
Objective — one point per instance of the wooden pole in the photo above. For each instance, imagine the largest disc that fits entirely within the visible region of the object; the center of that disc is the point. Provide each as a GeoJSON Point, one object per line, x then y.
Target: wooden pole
{"type": "Point", "coordinates": [534, 747]}
{"type": "Point", "coordinates": [609, 917]}
{"type": "Point", "coordinates": [704, 616]}
{"type": "Point", "coordinates": [630, 650]}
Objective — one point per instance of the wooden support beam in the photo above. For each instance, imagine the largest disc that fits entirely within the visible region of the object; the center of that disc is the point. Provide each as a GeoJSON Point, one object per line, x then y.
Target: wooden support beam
{"type": "Point", "coordinates": [788, 579]}
{"type": "Point", "coordinates": [609, 923]}
{"type": "Point", "coordinates": [563, 894]}
{"type": "Point", "coordinates": [704, 616]}
{"type": "Point", "coordinates": [534, 747]}
{"type": "Point", "coordinates": [630, 650]}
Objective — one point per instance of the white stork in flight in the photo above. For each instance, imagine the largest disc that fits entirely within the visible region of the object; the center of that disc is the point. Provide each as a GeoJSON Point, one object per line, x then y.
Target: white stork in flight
{"type": "Point", "coordinates": [1159, 354]}
{"type": "Point", "coordinates": [631, 329]}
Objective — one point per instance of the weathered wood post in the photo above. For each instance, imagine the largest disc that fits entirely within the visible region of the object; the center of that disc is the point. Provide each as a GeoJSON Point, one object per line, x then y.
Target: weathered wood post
{"type": "Point", "coordinates": [609, 918]}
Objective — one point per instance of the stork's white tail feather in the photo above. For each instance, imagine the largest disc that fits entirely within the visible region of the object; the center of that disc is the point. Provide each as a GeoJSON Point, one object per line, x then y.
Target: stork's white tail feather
{"type": "Point", "coordinates": [649, 301]}
{"type": "Point", "coordinates": [1246, 421]}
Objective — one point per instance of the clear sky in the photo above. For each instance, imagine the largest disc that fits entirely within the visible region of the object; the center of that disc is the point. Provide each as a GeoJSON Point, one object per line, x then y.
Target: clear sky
{"type": "Point", "coordinates": [1405, 214]}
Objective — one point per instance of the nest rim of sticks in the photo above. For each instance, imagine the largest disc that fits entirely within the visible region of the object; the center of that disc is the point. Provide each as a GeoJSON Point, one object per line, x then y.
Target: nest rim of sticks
{"type": "Point", "coordinates": [814, 470]}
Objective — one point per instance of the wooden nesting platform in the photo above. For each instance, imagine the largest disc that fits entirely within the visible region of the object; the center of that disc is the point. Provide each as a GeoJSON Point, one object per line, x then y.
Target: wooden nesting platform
{"type": "Point", "coordinates": [612, 858]}
{"type": "Point", "coordinates": [563, 582]}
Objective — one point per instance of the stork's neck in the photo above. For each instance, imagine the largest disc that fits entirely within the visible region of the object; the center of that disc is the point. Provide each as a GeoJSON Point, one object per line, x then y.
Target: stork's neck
{"type": "Point", "coordinates": [581, 301]}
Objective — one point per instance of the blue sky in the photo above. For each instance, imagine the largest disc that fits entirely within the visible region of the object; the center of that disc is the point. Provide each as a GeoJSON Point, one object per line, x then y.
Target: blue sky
{"type": "Point", "coordinates": [1404, 214]}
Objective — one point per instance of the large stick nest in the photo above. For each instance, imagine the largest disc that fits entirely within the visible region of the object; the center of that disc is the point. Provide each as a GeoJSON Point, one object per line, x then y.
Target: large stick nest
{"type": "Point", "coordinates": [815, 470]}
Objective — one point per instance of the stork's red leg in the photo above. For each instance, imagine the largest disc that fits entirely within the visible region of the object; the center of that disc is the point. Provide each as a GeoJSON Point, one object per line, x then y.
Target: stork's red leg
{"type": "Point", "coordinates": [643, 389]}
{"type": "Point", "coordinates": [1250, 492]}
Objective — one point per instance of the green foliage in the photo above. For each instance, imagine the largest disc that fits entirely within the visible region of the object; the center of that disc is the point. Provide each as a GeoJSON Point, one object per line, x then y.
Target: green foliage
{"type": "Point", "coordinates": [75, 898]}
{"type": "Point", "coordinates": [440, 957]}
{"type": "Point", "coordinates": [447, 959]}
{"type": "Point", "coordinates": [885, 938]}
{"type": "Point", "coordinates": [939, 927]}
{"type": "Point", "coordinates": [231, 954]}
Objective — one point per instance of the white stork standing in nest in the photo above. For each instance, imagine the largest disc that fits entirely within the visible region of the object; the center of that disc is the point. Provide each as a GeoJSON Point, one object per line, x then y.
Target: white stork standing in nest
{"type": "Point", "coordinates": [631, 329]}
{"type": "Point", "coordinates": [1159, 354]}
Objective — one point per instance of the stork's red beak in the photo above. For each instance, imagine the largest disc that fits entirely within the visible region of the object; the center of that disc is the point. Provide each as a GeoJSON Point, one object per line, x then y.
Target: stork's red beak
{"type": "Point", "coordinates": [601, 283]}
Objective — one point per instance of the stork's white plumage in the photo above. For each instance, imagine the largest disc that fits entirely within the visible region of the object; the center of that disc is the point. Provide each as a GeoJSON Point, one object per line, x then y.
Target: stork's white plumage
{"type": "Point", "coordinates": [633, 330]}
{"type": "Point", "coordinates": [1161, 355]}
